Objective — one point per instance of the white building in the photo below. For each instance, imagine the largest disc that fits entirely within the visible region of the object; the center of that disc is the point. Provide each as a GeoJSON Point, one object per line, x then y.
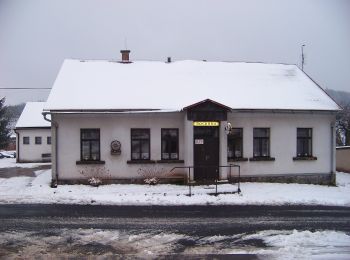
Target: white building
{"type": "Point", "coordinates": [33, 142]}
{"type": "Point", "coordinates": [126, 117]}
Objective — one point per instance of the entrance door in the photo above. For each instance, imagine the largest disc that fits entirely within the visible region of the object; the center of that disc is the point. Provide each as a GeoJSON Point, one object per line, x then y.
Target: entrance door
{"type": "Point", "coordinates": [206, 152]}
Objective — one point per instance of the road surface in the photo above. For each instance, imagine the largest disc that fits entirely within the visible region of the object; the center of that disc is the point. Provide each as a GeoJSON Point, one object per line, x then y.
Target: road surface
{"type": "Point", "coordinates": [163, 231]}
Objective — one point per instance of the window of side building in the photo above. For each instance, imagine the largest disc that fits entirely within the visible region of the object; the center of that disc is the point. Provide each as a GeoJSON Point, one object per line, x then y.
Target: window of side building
{"type": "Point", "coordinates": [170, 144]}
{"type": "Point", "coordinates": [235, 144]}
{"type": "Point", "coordinates": [48, 140]}
{"type": "Point", "coordinates": [90, 144]}
{"type": "Point", "coordinates": [304, 142]}
{"type": "Point", "coordinates": [25, 139]}
{"type": "Point", "coordinates": [38, 140]}
{"type": "Point", "coordinates": [261, 145]}
{"type": "Point", "coordinates": [140, 144]}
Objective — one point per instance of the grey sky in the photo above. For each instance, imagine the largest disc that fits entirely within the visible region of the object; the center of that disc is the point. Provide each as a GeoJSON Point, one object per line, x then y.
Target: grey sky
{"type": "Point", "coordinates": [36, 36]}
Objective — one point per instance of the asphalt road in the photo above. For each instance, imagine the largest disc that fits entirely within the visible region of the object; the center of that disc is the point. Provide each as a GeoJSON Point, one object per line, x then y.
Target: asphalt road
{"type": "Point", "coordinates": [188, 221]}
{"type": "Point", "coordinates": [199, 220]}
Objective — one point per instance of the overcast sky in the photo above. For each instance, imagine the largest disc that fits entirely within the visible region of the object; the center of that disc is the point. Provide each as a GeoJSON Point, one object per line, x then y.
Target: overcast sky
{"type": "Point", "coordinates": [36, 36]}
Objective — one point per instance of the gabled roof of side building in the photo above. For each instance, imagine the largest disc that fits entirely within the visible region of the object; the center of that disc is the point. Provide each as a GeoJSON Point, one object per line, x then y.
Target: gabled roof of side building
{"type": "Point", "coordinates": [32, 117]}
{"type": "Point", "coordinates": [154, 85]}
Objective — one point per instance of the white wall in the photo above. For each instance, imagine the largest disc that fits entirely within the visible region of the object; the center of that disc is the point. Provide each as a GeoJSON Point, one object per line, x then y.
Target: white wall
{"type": "Point", "coordinates": [32, 152]}
{"type": "Point", "coordinates": [283, 139]}
{"type": "Point", "coordinates": [283, 129]}
{"type": "Point", "coordinates": [113, 127]}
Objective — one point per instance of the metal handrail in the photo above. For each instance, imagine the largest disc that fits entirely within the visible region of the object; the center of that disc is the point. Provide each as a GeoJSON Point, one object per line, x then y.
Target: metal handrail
{"type": "Point", "coordinates": [217, 178]}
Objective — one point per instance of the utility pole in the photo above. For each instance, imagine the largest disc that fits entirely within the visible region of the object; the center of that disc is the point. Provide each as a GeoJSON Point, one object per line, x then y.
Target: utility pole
{"type": "Point", "coordinates": [302, 57]}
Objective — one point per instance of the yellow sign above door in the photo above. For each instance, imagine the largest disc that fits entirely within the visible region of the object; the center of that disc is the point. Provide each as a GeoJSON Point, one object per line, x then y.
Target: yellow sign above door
{"type": "Point", "coordinates": [206, 123]}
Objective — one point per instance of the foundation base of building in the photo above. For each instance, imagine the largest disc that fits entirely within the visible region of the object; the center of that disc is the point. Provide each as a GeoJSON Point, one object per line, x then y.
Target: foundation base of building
{"type": "Point", "coordinates": [320, 179]}
{"type": "Point", "coordinates": [176, 180]}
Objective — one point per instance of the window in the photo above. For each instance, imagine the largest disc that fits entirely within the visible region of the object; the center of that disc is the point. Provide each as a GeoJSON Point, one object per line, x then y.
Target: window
{"type": "Point", "coordinates": [38, 140]}
{"type": "Point", "coordinates": [261, 142]}
{"type": "Point", "coordinates": [235, 143]}
{"type": "Point", "coordinates": [90, 144]}
{"type": "Point", "coordinates": [170, 144]}
{"type": "Point", "coordinates": [140, 144]}
{"type": "Point", "coordinates": [304, 142]}
{"type": "Point", "coordinates": [25, 139]}
{"type": "Point", "coordinates": [48, 140]}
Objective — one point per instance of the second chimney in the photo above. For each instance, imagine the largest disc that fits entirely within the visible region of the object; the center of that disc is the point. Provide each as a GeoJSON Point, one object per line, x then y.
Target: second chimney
{"type": "Point", "coordinates": [125, 56]}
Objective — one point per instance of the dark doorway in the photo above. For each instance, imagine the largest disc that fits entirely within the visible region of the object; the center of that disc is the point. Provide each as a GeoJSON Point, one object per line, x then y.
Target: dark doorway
{"type": "Point", "coordinates": [206, 152]}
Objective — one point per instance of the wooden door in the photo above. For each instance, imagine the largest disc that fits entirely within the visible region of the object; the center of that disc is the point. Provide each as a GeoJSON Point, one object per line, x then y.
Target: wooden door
{"type": "Point", "coordinates": [206, 152]}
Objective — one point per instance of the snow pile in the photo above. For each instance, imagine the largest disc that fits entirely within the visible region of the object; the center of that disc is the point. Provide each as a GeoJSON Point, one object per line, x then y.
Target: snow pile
{"type": "Point", "coordinates": [144, 85]}
{"type": "Point", "coordinates": [270, 244]}
{"type": "Point", "coordinates": [304, 244]}
{"type": "Point", "coordinates": [37, 190]}
{"type": "Point", "coordinates": [32, 116]}
{"type": "Point", "coordinates": [11, 162]}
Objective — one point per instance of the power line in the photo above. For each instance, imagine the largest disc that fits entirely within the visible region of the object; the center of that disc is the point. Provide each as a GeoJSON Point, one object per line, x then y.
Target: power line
{"type": "Point", "coordinates": [25, 88]}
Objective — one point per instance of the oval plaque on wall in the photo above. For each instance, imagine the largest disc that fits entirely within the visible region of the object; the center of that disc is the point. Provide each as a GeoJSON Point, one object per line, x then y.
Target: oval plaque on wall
{"type": "Point", "coordinates": [116, 147]}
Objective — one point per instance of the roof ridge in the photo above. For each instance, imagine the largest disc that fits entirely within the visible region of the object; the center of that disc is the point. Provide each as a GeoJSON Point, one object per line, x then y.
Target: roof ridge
{"type": "Point", "coordinates": [184, 60]}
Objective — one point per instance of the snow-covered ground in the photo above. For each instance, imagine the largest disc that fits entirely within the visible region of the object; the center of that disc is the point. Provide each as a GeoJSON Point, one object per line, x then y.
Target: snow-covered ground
{"type": "Point", "coordinates": [11, 162]}
{"type": "Point", "coordinates": [268, 244]}
{"type": "Point", "coordinates": [36, 189]}
{"type": "Point", "coordinates": [295, 244]}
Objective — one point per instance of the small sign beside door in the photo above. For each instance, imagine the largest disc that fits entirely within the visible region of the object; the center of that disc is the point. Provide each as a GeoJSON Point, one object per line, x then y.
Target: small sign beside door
{"type": "Point", "coordinates": [198, 141]}
{"type": "Point", "coordinates": [206, 123]}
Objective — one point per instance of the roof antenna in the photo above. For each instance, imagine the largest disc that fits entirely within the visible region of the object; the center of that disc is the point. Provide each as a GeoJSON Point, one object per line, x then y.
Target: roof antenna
{"type": "Point", "coordinates": [125, 43]}
{"type": "Point", "coordinates": [302, 57]}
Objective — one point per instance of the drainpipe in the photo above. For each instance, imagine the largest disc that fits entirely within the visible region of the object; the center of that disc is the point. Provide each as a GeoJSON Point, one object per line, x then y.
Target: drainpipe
{"type": "Point", "coordinates": [332, 144]}
{"type": "Point", "coordinates": [17, 146]}
{"type": "Point", "coordinates": [332, 153]}
{"type": "Point", "coordinates": [55, 125]}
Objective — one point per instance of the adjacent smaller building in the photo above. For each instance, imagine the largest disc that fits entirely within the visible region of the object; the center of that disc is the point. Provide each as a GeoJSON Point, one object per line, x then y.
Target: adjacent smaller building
{"type": "Point", "coordinates": [33, 142]}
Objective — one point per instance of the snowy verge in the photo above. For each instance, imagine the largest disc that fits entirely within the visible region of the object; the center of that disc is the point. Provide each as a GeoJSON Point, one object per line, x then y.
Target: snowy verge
{"type": "Point", "coordinates": [267, 244]}
{"type": "Point", "coordinates": [37, 190]}
{"type": "Point", "coordinates": [294, 244]}
{"type": "Point", "coordinates": [11, 162]}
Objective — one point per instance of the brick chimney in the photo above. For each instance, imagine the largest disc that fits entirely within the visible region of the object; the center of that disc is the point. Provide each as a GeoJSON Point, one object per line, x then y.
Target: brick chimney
{"type": "Point", "coordinates": [125, 56]}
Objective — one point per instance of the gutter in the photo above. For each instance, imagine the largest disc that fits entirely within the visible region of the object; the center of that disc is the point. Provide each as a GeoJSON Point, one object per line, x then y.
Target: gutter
{"type": "Point", "coordinates": [54, 124]}
{"type": "Point", "coordinates": [236, 110]}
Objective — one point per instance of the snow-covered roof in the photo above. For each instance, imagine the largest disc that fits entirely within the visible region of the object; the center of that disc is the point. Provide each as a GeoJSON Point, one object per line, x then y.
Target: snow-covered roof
{"type": "Point", "coordinates": [105, 85]}
{"type": "Point", "coordinates": [32, 116]}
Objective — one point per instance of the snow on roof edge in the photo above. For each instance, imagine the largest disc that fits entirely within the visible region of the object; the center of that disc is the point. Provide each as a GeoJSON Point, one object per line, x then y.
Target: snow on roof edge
{"type": "Point", "coordinates": [31, 116]}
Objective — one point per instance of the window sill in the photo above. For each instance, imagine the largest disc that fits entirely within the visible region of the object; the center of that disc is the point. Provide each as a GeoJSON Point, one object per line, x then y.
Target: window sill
{"type": "Point", "coordinates": [90, 162]}
{"type": "Point", "coordinates": [306, 158]}
{"type": "Point", "coordinates": [170, 161]}
{"type": "Point", "coordinates": [242, 159]}
{"type": "Point", "coordinates": [140, 161]}
{"type": "Point", "coordinates": [258, 159]}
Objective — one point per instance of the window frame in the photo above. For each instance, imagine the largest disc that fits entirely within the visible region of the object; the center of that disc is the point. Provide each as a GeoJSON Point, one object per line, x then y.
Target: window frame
{"type": "Point", "coordinates": [260, 139]}
{"type": "Point", "coordinates": [234, 157]}
{"type": "Point", "coordinates": [310, 155]}
{"type": "Point", "coordinates": [26, 138]}
{"type": "Point", "coordinates": [169, 139]}
{"type": "Point", "coordinates": [90, 140]}
{"type": "Point", "coordinates": [38, 140]}
{"type": "Point", "coordinates": [47, 140]}
{"type": "Point", "coordinates": [140, 144]}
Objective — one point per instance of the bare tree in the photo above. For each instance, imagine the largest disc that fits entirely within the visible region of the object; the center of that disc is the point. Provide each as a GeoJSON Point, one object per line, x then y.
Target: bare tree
{"type": "Point", "coordinates": [343, 126]}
